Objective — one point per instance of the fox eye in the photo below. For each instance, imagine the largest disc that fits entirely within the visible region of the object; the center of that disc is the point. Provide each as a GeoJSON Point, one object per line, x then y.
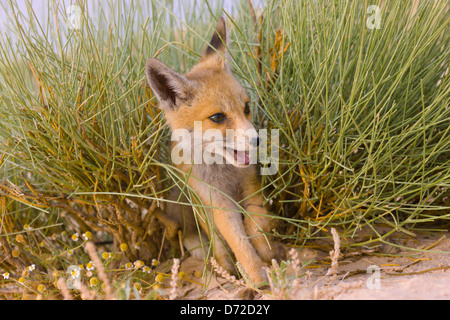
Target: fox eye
{"type": "Point", "coordinates": [218, 118]}
{"type": "Point", "coordinates": [247, 108]}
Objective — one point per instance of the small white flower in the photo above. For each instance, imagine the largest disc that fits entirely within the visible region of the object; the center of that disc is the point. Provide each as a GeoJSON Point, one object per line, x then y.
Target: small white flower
{"type": "Point", "coordinates": [90, 266]}
{"type": "Point", "coordinates": [146, 269]}
{"type": "Point", "coordinates": [138, 264]}
{"type": "Point", "coordinates": [31, 268]}
{"type": "Point", "coordinates": [106, 255]}
{"type": "Point", "coordinates": [75, 237]}
{"type": "Point", "coordinates": [75, 273]}
{"type": "Point", "coordinates": [6, 275]}
{"type": "Point", "coordinates": [87, 235]}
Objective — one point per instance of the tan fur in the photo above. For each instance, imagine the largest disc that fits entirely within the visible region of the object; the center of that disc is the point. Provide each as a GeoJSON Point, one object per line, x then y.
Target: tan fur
{"type": "Point", "coordinates": [210, 88]}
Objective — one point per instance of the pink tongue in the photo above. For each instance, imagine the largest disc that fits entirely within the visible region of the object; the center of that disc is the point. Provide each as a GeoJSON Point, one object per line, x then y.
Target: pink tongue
{"type": "Point", "coordinates": [241, 157]}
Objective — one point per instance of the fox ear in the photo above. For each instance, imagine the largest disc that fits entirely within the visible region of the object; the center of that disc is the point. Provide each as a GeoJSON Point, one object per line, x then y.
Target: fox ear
{"type": "Point", "coordinates": [170, 87]}
{"type": "Point", "coordinates": [219, 39]}
{"type": "Point", "coordinates": [216, 52]}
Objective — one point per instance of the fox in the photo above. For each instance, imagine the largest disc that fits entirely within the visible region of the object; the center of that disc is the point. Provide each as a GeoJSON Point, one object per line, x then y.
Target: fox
{"type": "Point", "coordinates": [210, 95]}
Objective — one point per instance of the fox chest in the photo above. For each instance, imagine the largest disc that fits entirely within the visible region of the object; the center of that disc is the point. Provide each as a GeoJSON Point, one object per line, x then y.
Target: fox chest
{"type": "Point", "coordinates": [219, 180]}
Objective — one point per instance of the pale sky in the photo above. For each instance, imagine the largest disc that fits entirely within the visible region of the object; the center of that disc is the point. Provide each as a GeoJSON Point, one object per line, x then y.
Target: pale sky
{"type": "Point", "coordinates": [40, 6]}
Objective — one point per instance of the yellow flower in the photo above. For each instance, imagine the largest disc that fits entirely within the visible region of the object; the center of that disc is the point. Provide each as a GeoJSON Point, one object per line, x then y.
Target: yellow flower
{"type": "Point", "coordinates": [75, 237]}
{"type": "Point", "coordinates": [15, 253]}
{"type": "Point", "coordinates": [106, 255]}
{"type": "Point", "coordinates": [155, 262]}
{"type": "Point", "coordinates": [181, 274]}
{"type": "Point", "coordinates": [128, 265]}
{"type": "Point", "coordinates": [90, 266]}
{"type": "Point", "coordinates": [138, 264]}
{"type": "Point", "coordinates": [93, 281]}
{"type": "Point", "coordinates": [26, 227]}
{"type": "Point", "coordinates": [87, 235]}
{"type": "Point", "coordinates": [75, 273]}
{"type": "Point", "coordinates": [21, 280]}
{"type": "Point", "coordinates": [124, 247]}
{"type": "Point", "coordinates": [20, 238]}
{"type": "Point", "coordinates": [146, 269]}
{"type": "Point", "coordinates": [138, 287]}
{"type": "Point", "coordinates": [70, 252]}
{"type": "Point", "coordinates": [41, 288]}
{"type": "Point", "coordinates": [31, 268]}
{"type": "Point", "coordinates": [159, 278]}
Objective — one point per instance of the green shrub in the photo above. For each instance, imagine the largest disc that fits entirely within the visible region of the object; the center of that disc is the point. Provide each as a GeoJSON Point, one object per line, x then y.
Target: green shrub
{"type": "Point", "coordinates": [363, 114]}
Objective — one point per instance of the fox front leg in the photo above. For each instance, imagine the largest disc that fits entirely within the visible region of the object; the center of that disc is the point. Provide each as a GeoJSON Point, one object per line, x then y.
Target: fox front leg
{"type": "Point", "coordinates": [258, 222]}
{"type": "Point", "coordinates": [227, 221]}
{"type": "Point", "coordinates": [231, 228]}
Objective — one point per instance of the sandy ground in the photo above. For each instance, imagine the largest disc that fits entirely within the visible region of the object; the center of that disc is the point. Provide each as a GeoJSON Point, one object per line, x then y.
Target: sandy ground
{"type": "Point", "coordinates": [382, 272]}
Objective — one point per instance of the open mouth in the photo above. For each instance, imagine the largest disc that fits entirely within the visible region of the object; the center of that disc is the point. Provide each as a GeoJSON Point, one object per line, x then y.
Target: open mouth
{"type": "Point", "coordinates": [238, 158]}
{"type": "Point", "coordinates": [241, 157]}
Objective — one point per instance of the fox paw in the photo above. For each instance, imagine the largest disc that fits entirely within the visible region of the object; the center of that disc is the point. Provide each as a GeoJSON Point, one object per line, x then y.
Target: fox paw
{"type": "Point", "coordinates": [279, 251]}
{"type": "Point", "coordinates": [276, 251]}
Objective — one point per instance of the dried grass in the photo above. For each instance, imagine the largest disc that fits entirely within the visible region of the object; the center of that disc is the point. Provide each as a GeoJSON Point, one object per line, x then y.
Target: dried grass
{"type": "Point", "coordinates": [64, 290]}
{"type": "Point", "coordinates": [174, 281]}
{"type": "Point", "coordinates": [92, 251]}
{"type": "Point", "coordinates": [334, 255]}
{"type": "Point", "coordinates": [225, 274]}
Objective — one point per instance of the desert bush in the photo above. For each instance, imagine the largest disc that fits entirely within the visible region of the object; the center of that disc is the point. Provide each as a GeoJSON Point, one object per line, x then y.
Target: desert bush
{"type": "Point", "coordinates": [363, 114]}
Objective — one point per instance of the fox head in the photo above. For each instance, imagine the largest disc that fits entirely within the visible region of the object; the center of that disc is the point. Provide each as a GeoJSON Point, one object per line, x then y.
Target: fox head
{"type": "Point", "coordinates": [208, 99]}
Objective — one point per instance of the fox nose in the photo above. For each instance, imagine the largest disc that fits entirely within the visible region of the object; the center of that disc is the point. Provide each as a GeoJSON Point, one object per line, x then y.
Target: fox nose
{"type": "Point", "coordinates": [254, 142]}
